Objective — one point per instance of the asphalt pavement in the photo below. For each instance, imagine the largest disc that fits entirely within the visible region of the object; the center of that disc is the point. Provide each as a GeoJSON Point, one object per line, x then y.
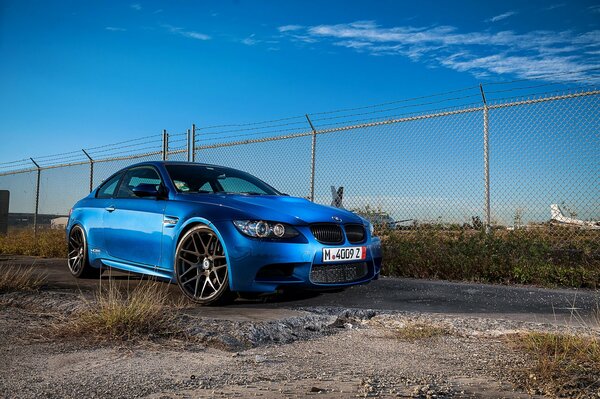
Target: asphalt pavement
{"type": "Point", "coordinates": [521, 303]}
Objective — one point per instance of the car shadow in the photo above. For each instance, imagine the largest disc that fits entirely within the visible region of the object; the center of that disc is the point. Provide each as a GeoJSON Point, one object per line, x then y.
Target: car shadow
{"type": "Point", "coordinates": [284, 296]}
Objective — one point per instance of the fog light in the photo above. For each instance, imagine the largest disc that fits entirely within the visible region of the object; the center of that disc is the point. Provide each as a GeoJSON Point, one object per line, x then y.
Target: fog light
{"type": "Point", "coordinates": [279, 230]}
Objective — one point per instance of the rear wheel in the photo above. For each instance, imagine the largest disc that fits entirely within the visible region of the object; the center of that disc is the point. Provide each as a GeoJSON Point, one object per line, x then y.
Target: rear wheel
{"type": "Point", "coordinates": [201, 267]}
{"type": "Point", "coordinates": [77, 259]}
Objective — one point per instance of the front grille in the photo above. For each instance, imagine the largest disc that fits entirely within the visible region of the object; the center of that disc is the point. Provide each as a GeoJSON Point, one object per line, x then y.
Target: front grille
{"type": "Point", "coordinates": [338, 273]}
{"type": "Point", "coordinates": [355, 233]}
{"type": "Point", "coordinates": [327, 233]}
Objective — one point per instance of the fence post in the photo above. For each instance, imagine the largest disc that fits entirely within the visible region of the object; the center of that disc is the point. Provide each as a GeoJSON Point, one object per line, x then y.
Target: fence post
{"type": "Point", "coordinates": [91, 169]}
{"type": "Point", "coordinates": [165, 145]}
{"type": "Point", "coordinates": [37, 198]}
{"type": "Point", "coordinates": [486, 161]}
{"type": "Point", "coordinates": [313, 150]}
{"type": "Point", "coordinates": [193, 142]}
{"type": "Point", "coordinates": [189, 148]}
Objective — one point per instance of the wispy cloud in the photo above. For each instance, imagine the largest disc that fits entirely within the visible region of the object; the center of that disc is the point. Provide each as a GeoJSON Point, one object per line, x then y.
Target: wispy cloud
{"type": "Point", "coordinates": [481, 53]}
{"type": "Point", "coordinates": [595, 8]}
{"type": "Point", "coordinates": [136, 6]}
{"type": "Point", "coordinates": [186, 33]}
{"type": "Point", "coordinates": [554, 6]}
{"type": "Point", "coordinates": [250, 40]}
{"type": "Point", "coordinates": [114, 29]}
{"type": "Point", "coordinates": [502, 16]}
{"type": "Point", "coordinates": [289, 28]}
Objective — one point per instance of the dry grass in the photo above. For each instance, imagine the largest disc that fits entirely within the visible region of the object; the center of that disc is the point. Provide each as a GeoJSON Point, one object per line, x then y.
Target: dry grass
{"type": "Point", "coordinates": [16, 278]}
{"type": "Point", "coordinates": [548, 257]}
{"type": "Point", "coordinates": [418, 331]}
{"type": "Point", "coordinates": [47, 244]}
{"type": "Point", "coordinates": [566, 365]}
{"type": "Point", "coordinates": [144, 312]}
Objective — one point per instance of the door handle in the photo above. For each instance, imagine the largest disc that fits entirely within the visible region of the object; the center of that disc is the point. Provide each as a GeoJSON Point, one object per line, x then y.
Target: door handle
{"type": "Point", "coordinates": [110, 208]}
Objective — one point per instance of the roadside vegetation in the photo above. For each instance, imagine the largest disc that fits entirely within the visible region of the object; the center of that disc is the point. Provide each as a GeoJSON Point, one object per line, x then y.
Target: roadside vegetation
{"type": "Point", "coordinates": [565, 365]}
{"type": "Point", "coordinates": [47, 244]}
{"type": "Point", "coordinates": [142, 313]}
{"type": "Point", "coordinates": [14, 278]}
{"type": "Point", "coordinates": [550, 256]}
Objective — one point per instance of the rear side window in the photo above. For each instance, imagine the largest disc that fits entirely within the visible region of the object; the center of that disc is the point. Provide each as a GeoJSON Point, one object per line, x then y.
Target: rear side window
{"type": "Point", "coordinates": [135, 177]}
{"type": "Point", "coordinates": [107, 189]}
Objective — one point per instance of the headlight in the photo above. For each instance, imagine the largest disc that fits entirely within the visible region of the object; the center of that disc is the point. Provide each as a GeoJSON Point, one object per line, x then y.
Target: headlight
{"type": "Point", "coordinates": [262, 229]}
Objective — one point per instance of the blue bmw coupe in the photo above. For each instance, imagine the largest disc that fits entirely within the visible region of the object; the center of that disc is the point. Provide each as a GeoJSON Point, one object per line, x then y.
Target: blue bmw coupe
{"type": "Point", "coordinates": [217, 231]}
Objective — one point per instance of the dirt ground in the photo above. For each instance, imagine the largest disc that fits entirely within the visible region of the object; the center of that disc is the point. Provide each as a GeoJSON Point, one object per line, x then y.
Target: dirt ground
{"type": "Point", "coordinates": [317, 352]}
{"type": "Point", "coordinates": [286, 351]}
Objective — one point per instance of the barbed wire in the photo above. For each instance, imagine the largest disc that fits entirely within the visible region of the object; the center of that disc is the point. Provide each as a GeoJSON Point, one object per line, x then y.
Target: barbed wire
{"type": "Point", "coordinates": [520, 99]}
{"type": "Point", "coordinates": [395, 116]}
{"type": "Point", "coordinates": [251, 123]}
{"type": "Point", "coordinates": [124, 142]}
{"type": "Point", "coordinates": [303, 122]}
{"type": "Point", "coordinates": [254, 134]}
{"type": "Point", "coordinates": [177, 134]}
{"type": "Point", "coordinates": [487, 92]}
{"type": "Point", "coordinates": [93, 152]}
{"type": "Point", "coordinates": [57, 155]}
{"type": "Point", "coordinates": [399, 107]}
{"type": "Point", "coordinates": [24, 160]}
{"type": "Point", "coordinates": [65, 159]}
{"type": "Point", "coordinates": [467, 88]}
{"type": "Point", "coordinates": [267, 127]}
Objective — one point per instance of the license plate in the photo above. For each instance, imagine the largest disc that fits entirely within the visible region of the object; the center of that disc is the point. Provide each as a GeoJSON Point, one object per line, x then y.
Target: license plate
{"type": "Point", "coordinates": [345, 253]}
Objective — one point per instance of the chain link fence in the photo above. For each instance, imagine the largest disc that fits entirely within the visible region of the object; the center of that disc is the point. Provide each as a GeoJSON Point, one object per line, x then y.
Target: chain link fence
{"type": "Point", "coordinates": [513, 166]}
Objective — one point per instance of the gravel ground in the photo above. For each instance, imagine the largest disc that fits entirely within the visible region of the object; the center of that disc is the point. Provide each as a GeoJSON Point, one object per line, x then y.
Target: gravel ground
{"type": "Point", "coordinates": [319, 351]}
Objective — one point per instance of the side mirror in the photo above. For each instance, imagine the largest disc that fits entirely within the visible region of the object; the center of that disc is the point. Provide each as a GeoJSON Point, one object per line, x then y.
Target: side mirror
{"type": "Point", "coordinates": [146, 190]}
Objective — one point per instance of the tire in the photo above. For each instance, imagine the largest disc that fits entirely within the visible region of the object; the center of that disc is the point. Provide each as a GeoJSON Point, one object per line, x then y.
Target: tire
{"type": "Point", "coordinates": [201, 267]}
{"type": "Point", "coordinates": [77, 258]}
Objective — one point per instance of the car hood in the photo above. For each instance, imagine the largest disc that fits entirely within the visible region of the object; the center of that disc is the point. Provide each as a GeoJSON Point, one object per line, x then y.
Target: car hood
{"type": "Point", "coordinates": [292, 210]}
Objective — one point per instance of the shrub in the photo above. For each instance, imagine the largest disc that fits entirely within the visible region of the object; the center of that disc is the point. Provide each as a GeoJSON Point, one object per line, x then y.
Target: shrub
{"type": "Point", "coordinates": [523, 256]}
{"type": "Point", "coordinates": [48, 243]}
{"type": "Point", "coordinates": [566, 365]}
{"type": "Point", "coordinates": [141, 313]}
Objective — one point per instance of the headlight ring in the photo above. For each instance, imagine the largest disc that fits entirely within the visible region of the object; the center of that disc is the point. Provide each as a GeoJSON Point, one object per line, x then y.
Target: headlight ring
{"type": "Point", "coordinates": [265, 229]}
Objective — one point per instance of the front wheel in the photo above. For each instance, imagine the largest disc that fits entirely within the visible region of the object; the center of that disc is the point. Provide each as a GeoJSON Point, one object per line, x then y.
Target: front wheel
{"type": "Point", "coordinates": [201, 267]}
{"type": "Point", "coordinates": [77, 258]}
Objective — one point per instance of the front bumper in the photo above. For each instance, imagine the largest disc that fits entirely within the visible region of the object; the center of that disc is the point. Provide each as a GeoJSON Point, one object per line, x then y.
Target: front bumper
{"type": "Point", "coordinates": [259, 265]}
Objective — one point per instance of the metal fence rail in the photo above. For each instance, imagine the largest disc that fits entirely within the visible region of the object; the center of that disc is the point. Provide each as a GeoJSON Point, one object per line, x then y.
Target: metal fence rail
{"type": "Point", "coordinates": [482, 165]}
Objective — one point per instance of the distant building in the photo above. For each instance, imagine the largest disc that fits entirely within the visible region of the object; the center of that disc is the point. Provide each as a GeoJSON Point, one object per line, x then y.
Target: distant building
{"type": "Point", "coordinates": [59, 223]}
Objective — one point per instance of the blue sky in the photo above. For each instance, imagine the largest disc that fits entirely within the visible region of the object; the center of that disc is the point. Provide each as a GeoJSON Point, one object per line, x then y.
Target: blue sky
{"type": "Point", "coordinates": [78, 74]}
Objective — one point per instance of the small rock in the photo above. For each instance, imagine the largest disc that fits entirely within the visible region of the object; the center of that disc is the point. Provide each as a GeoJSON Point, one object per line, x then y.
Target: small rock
{"type": "Point", "coordinates": [316, 389]}
{"type": "Point", "coordinates": [260, 359]}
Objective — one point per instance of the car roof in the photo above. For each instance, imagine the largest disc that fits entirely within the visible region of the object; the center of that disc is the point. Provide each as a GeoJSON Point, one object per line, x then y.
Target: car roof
{"type": "Point", "coordinates": [165, 163]}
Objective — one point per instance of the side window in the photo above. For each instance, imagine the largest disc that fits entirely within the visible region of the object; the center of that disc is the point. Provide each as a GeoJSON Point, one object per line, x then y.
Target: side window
{"type": "Point", "coordinates": [107, 189]}
{"type": "Point", "coordinates": [135, 177]}
{"type": "Point", "coordinates": [206, 188]}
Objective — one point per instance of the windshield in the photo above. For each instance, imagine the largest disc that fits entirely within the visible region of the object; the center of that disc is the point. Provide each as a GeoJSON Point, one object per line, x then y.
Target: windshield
{"type": "Point", "coordinates": [213, 179]}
